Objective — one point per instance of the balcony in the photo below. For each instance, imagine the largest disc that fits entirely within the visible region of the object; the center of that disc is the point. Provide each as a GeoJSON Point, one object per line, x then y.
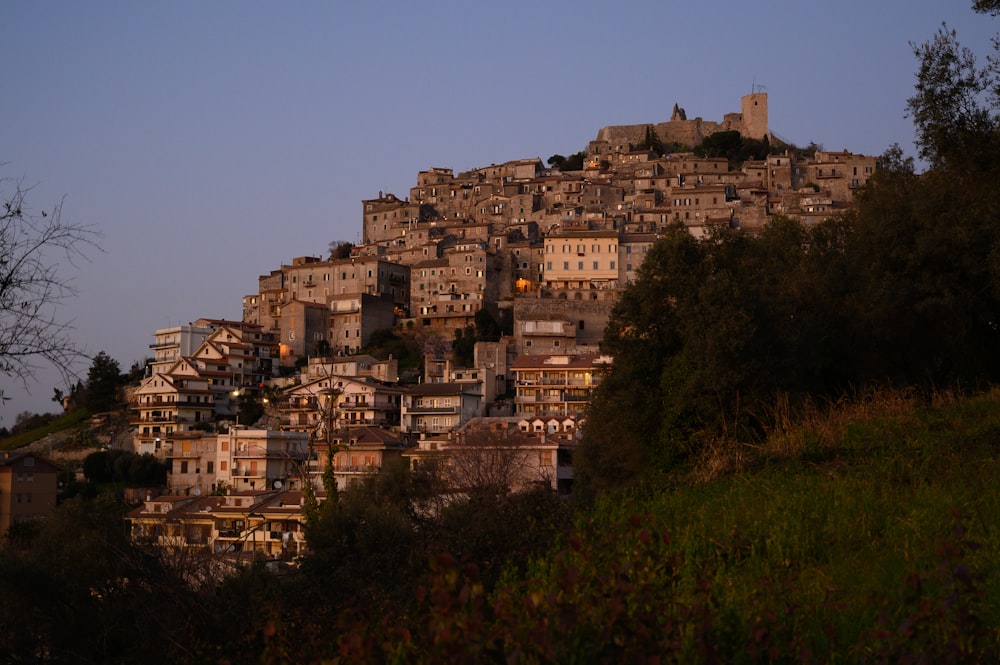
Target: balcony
{"type": "Point", "coordinates": [356, 468]}
{"type": "Point", "coordinates": [538, 399]}
{"type": "Point", "coordinates": [230, 533]}
{"type": "Point", "coordinates": [431, 410]}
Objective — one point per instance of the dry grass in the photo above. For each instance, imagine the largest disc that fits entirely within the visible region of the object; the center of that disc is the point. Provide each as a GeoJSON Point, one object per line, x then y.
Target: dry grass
{"type": "Point", "coordinates": [808, 427]}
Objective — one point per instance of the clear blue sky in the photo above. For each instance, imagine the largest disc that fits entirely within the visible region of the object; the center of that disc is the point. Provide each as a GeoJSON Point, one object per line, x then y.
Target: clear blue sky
{"type": "Point", "coordinates": [212, 141]}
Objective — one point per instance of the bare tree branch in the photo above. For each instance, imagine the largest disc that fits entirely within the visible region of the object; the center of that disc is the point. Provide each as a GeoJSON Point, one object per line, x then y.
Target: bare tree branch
{"type": "Point", "coordinates": [34, 247]}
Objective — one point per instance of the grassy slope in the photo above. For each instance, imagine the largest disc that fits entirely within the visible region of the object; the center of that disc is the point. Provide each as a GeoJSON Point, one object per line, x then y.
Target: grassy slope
{"type": "Point", "coordinates": [849, 517]}
{"type": "Point", "coordinates": [65, 421]}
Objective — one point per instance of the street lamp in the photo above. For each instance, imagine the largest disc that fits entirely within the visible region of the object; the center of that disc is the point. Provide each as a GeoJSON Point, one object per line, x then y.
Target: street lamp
{"type": "Point", "coordinates": [236, 396]}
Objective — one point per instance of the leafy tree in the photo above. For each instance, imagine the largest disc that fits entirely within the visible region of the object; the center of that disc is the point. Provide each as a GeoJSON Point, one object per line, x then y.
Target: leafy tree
{"type": "Point", "coordinates": [651, 141]}
{"type": "Point", "coordinates": [991, 7]}
{"type": "Point", "coordinates": [126, 467]}
{"type": "Point", "coordinates": [340, 249]}
{"type": "Point", "coordinates": [904, 290]}
{"type": "Point", "coordinates": [572, 163]}
{"type": "Point", "coordinates": [33, 285]}
{"type": "Point", "coordinates": [464, 345]}
{"type": "Point", "coordinates": [955, 105]}
{"type": "Point", "coordinates": [488, 329]}
{"type": "Point", "coordinates": [137, 372]}
{"type": "Point", "coordinates": [104, 379]}
{"type": "Point", "coordinates": [385, 342]}
{"type": "Point", "coordinates": [733, 146]}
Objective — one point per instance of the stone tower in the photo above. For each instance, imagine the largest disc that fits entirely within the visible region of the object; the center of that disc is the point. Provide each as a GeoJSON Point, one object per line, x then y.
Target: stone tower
{"type": "Point", "coordinates": [754, 109]}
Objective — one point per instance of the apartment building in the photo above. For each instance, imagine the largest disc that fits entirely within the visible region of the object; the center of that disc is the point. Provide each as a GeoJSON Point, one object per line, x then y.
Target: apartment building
{"type": "Point", "coordinates": [556, 386]}
{"type": "Point", "coordinates": [290, 302]}
{"type": "Point", "coordinates": [335, 402]}
{"type": "Point", "coordinates": [447, 292]}
{"type": "Point", "coordinates": [28, 487]}
{"type": "Point", "coordinates": [176, 342]}
{"type": "Point", "coordinates": [581, 260]}
{"type": "Point", "coordinates": [176, 401]}
{"type": "Point", "coordinates": [436, 408]}
{"type": "Point", "coordinates": [358, 452]}
{"type": "Point", "coordinates": [258, 459]}
{"type": "Point", "coordinates": [501, 454]}
{"type": "Point", "coordinates": [235, 526]}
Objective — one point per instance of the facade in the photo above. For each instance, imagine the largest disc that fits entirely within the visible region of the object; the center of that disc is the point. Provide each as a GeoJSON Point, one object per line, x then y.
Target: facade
{"type": "Point", "coordinates": [361, 290]}
{"type": "Point", "coordinates": [28, 487]}
{"type": "Point", "coordinates": [447, 292]}
{"type": "Point", "coordinates": [358, 452]}
{"type": "Point", "coordinates": [257, 459]}
{"type": "Point", "coordinates": [176, 342]}
{"type": "Point", "coordinates": [240, 459]}
{"type": "Point", "coordinates": [334, 401]}
{"type": "Point", "coordinates": [581, 260]}
{"type": "Point", "coordinates": [501, 455]}
{"type": "Point", "coordinates": [436, 408]}
{"type": "Point", "coordinates": [556, 386]}
{"type": "Point", "coordinates": [234, 526]}
{"type": "Point", "coordinates": [172, 404]}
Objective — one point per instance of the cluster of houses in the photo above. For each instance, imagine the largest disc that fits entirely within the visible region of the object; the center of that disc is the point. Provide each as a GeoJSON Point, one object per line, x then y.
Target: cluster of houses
{"type": "Point", "coordinates": [541, 251]}
{"type": "Point", "coordinates": [231, 481]}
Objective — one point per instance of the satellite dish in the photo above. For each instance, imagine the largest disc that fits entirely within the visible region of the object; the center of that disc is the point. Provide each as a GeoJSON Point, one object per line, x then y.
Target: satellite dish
{"type": "Point", "coordinates": [277, 484]}
{"type": "Point", "coordinates": [197, 491]}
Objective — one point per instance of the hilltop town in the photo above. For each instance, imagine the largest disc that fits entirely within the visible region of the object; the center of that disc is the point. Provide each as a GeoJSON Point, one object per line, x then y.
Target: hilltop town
{"type": "Point", "coordinates": [252, 415]}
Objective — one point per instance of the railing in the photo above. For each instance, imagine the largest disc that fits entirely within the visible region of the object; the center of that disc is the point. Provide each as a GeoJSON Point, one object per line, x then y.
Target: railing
{"type": "Point", "coordinates": [260, 453]}
{"type": "Point", "coordinates": [437, 429]}
{"type": "Point", "coordinates": [532, 399]}
{"type": "Point", "coordinates": [414, 410]}
{"type": "Point", "coordinates": [355, 468]}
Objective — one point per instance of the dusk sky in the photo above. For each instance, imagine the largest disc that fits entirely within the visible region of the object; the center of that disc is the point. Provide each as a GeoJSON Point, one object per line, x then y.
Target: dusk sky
{"type": "Point", "coordinates": [210, 142]}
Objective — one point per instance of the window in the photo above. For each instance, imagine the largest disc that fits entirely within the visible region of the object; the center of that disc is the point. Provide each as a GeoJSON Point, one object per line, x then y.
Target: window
{"type": "Point", "coordinates": [595, 265]}
{"type": "Point", "coordinates": [579, 265]}
{"type": "Point", "coordinates": [612, 265]}
{"type": "Point", "coordinates": [565, 265]}
{"type": "Point", "coordinates": [210, 467]}
{"type": "Point", "coordinates": [184, 466]}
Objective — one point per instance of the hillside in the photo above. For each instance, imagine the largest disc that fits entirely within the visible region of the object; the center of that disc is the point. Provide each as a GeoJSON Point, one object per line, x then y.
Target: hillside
{"type": "Point", "coordinates": [864, 532]}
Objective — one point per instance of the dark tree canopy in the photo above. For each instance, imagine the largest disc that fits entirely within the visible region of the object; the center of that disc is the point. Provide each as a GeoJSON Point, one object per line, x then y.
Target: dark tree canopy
{"type": "Point", "coordinates": [572, 163]}
{"type": "Point", "coordinates": [340, 249]}
{"type": "Point", "coordinates": [733, 146]}
{"type": "Point", "coordinates": [991, 7]}
{"type": "Point", "coordinates": [104, 379]}
{"type": "Point", "coordinates": [903, 290]}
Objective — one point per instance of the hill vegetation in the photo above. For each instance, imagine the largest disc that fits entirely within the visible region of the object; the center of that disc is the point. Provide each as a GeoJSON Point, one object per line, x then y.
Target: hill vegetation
{"type": "Point", "coordinates": [863, 532]}
{"type": "Point", "coordinates": [903, 290]}
{"type": "Point", "coordinates": [793, 459]}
